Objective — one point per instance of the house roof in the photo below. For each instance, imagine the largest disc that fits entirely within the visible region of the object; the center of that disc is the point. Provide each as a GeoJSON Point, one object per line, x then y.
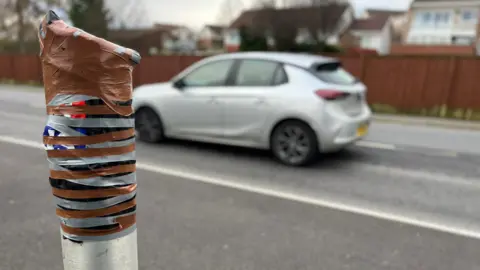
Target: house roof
{"type": "Point", "coordinates": [167, 27]}
{"type": "Point", "coordinates": [374, 23]}
{"type": "Point", "coordinates": [377, 12]}
{"type": "Point", "coordinates": [130, 34]}
{"type": "Point", "coordinates": [298, 16]}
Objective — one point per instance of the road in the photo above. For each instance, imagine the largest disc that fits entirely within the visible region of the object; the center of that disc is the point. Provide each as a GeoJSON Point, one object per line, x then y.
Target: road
{"type": "Point", "coordinates": [389, 203]}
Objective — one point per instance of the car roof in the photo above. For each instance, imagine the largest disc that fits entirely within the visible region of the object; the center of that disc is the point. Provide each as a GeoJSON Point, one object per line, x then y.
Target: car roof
{"type": "Point", "coordinates": [297, 59]}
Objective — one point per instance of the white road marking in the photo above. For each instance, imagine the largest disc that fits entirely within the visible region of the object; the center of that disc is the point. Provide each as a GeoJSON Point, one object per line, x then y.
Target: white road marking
{"type": "Point", "coordinates": [387, 146]}
{"type": "Point", "coordinates": [24, 116]}
{"type": "Point", "coordinates": [376, 145]}
{"type": "Point", "coordinates": [37, 105]}
{"type": "Point", "coordinates": [419, 175]}
{"type": "Point", "coordinates": [288, 195]}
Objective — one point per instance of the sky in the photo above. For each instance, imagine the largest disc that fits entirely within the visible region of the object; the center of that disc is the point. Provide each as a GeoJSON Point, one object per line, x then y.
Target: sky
{"type": "Point", "coordinates": [196, 13]}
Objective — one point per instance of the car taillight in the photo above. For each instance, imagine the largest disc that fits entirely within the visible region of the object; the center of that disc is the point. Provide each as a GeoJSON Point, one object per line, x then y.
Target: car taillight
{"type": "Point", "coordinates": [331, 94]}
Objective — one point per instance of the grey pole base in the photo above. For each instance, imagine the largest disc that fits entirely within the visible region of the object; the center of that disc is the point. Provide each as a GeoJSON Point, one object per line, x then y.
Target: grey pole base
{"type": "Point", "coordinates": [117, 254]}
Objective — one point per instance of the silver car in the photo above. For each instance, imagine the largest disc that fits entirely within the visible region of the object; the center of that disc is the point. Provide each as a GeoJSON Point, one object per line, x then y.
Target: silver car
{"type": "Point", "coordinates": [296, 105]}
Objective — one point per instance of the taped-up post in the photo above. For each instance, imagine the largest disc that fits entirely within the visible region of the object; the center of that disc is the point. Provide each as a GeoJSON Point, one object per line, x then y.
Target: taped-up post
{"type": "Point", "coordinates": [90, 143]}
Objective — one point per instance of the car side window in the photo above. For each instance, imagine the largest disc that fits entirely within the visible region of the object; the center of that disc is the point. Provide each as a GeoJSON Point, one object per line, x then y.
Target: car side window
{"type": "Point", "coordinates": [210, 74]}
{"type": "Point", "coordinates": [256, 73]}
{"type": "Point", "coordinates": [280, 76]}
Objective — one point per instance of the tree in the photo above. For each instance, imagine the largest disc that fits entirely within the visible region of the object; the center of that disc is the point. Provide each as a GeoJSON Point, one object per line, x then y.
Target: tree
{"type": "Point", "coordinates": [91, 16]}
{"type": "Point", "coordinates": [324, 25]}
{"type": "Point", "coordinates": [19, 21]}
{"type": "Point", "coordinates": [229, 10]}
{"type": "Point", "coordinates": [283, 19]}
{"type": "Point", "coordinates": [251, 41]}
{"type": "Point", "coordinates": [128, 14]}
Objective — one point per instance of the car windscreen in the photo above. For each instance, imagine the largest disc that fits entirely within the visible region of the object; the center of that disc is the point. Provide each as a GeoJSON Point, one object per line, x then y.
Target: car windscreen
{"type": "Point", "coordinates": [334, 73]}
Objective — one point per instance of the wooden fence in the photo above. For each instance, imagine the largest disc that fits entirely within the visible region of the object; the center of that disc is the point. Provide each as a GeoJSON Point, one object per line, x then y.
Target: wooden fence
{"type": "Point", "coordinates": [427, 85]}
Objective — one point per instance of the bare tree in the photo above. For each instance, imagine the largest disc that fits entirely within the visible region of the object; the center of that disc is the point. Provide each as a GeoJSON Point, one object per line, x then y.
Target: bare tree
{"type": "Point", "coordinates": [229, 11]}
{"type": "Point", "coordinates": [324, 23]}
{"type": "Point", "coordinates": [19, 19]}
{"type": "Point", "coordinates": [128, 13]}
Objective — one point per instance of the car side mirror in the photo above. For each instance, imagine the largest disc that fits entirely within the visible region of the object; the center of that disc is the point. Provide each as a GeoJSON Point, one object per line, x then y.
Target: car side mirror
{"type": "Point", "coordinates": [180, 85]}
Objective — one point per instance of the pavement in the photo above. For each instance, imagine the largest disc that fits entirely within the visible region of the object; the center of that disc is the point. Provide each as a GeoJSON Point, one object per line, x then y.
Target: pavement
{"type": "Point", "coordinates": [428, 121]}
{"type": "Point", "coordinates": [405, 198]}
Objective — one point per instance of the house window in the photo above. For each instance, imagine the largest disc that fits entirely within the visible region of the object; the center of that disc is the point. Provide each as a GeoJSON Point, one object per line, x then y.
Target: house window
{"type": "Point", "coordinates": [469, 16]}
{"type": "Point", "coordinates": [423, 19]}
{"type": "Point", "coordinates": [427, 18]}
{"type": "Point", "coordinates": [432, 19]}
{"type": "Point", "coordinates": [366, 42]}
{"type": "Point", "coordinates": [442, 18]}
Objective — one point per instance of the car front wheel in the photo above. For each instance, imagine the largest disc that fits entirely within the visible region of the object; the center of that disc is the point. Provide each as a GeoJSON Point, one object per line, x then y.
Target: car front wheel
{"type": "Point", "coordinates": [294, 143]}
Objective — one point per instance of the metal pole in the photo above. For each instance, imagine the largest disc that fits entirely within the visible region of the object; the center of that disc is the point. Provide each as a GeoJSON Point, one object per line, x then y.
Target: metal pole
{"type": "Point", "coordinates": [90, 142]}
{"type": "Point", "coordinates": [118, 254]}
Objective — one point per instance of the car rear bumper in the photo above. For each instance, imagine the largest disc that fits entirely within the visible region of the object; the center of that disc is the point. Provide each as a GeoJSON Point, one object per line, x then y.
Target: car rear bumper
{"type": "Point", "coordinates": [338, 131]}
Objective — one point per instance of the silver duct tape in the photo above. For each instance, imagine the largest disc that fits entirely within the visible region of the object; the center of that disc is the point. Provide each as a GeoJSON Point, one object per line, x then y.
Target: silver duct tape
{"type": "Point", "coordinates": [64, 99]}
{"type": "Point", "coordinates": [106, 181]}
{"type": "Point", "coordinates": [120, 50]}
{"type": "Point", "coordinates": [65, 126]}
{"type": "Point", "coordinates": [77, 33]}
{"type": "Point", "coordinates": [65, 130]}
{"type": "Point", "coordinates": [100, 238]}
{"type": "Point", "coordinates": [74, 205]}
{"type": "Point", "coordinates": [87, 222]}
{"type": "Point", "coordinates": [56, 167]}
{"type": "Point", "coordinates": [136, 58]}
{"type": "Point", "coordinates": [92, 122]}
{"type": "Point", "coordinates": [92, 222]}
{"type": "Point", "coordinates": [112, 144]}
{"type": "Point", "coordinates": [79, 161]}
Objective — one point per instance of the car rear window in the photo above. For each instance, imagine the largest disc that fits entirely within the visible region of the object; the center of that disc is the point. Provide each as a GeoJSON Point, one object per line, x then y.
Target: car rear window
{"type": "Point", "coordinates": [333, 73]}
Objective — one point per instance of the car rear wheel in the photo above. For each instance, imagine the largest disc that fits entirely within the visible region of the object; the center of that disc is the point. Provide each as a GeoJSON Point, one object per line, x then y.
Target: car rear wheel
{"type": "Point", "coordinates": [148, 126]}
{"type": "Point", "coordinates": [294, 143]}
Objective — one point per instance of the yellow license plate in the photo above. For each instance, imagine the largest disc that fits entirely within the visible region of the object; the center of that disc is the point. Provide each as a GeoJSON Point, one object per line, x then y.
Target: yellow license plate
{"type": "Point", "coordinates": [362, 130]}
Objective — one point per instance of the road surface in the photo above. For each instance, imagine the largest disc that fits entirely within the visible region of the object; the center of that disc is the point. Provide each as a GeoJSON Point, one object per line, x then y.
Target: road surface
{"type": "Point", "coordinates": [383, 204]}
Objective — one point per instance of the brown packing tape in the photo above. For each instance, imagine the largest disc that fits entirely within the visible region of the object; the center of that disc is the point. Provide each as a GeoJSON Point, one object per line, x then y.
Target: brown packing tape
{"type": "Point", "coordinates": [93, 194]}
{"type": "Point", "coordinates": [91, 152]}
{"type": "Point", "coordinates": [83, 140]}
{"type": "Point", "coordinates": [77, 175]}
{"type": "Point", "coordinates": [98, 212]}
{"type": "Point", "coordinates": [90, 110]}
{"type": "Point", "coordinates": [123, 222]}
{"type": "Point", "coordinates": [85, 64]}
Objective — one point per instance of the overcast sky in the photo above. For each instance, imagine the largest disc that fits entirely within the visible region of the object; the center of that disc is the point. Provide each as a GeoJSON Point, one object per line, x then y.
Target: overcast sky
{"type": "Point", "coordinates": [196, 13]}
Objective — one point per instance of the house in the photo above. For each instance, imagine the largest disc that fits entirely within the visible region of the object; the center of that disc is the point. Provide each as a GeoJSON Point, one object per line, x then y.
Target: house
{"type": "Point", "coordinates": [177, 38]}
{"type": "Point", "coordinates": [398, 19]}
{"type": "Point", "coordinates": [330, 22]}
{"type": "Point", "coordinates": [443, 22]}
{"type": "Point", "coordinates": [145, 40]}
{"type": "Point", "coordinates": [374, 32]}
{"type": "Point", "coordinates": [156, 39]}
{"type": "Point", "coordinates": [211, 38]}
